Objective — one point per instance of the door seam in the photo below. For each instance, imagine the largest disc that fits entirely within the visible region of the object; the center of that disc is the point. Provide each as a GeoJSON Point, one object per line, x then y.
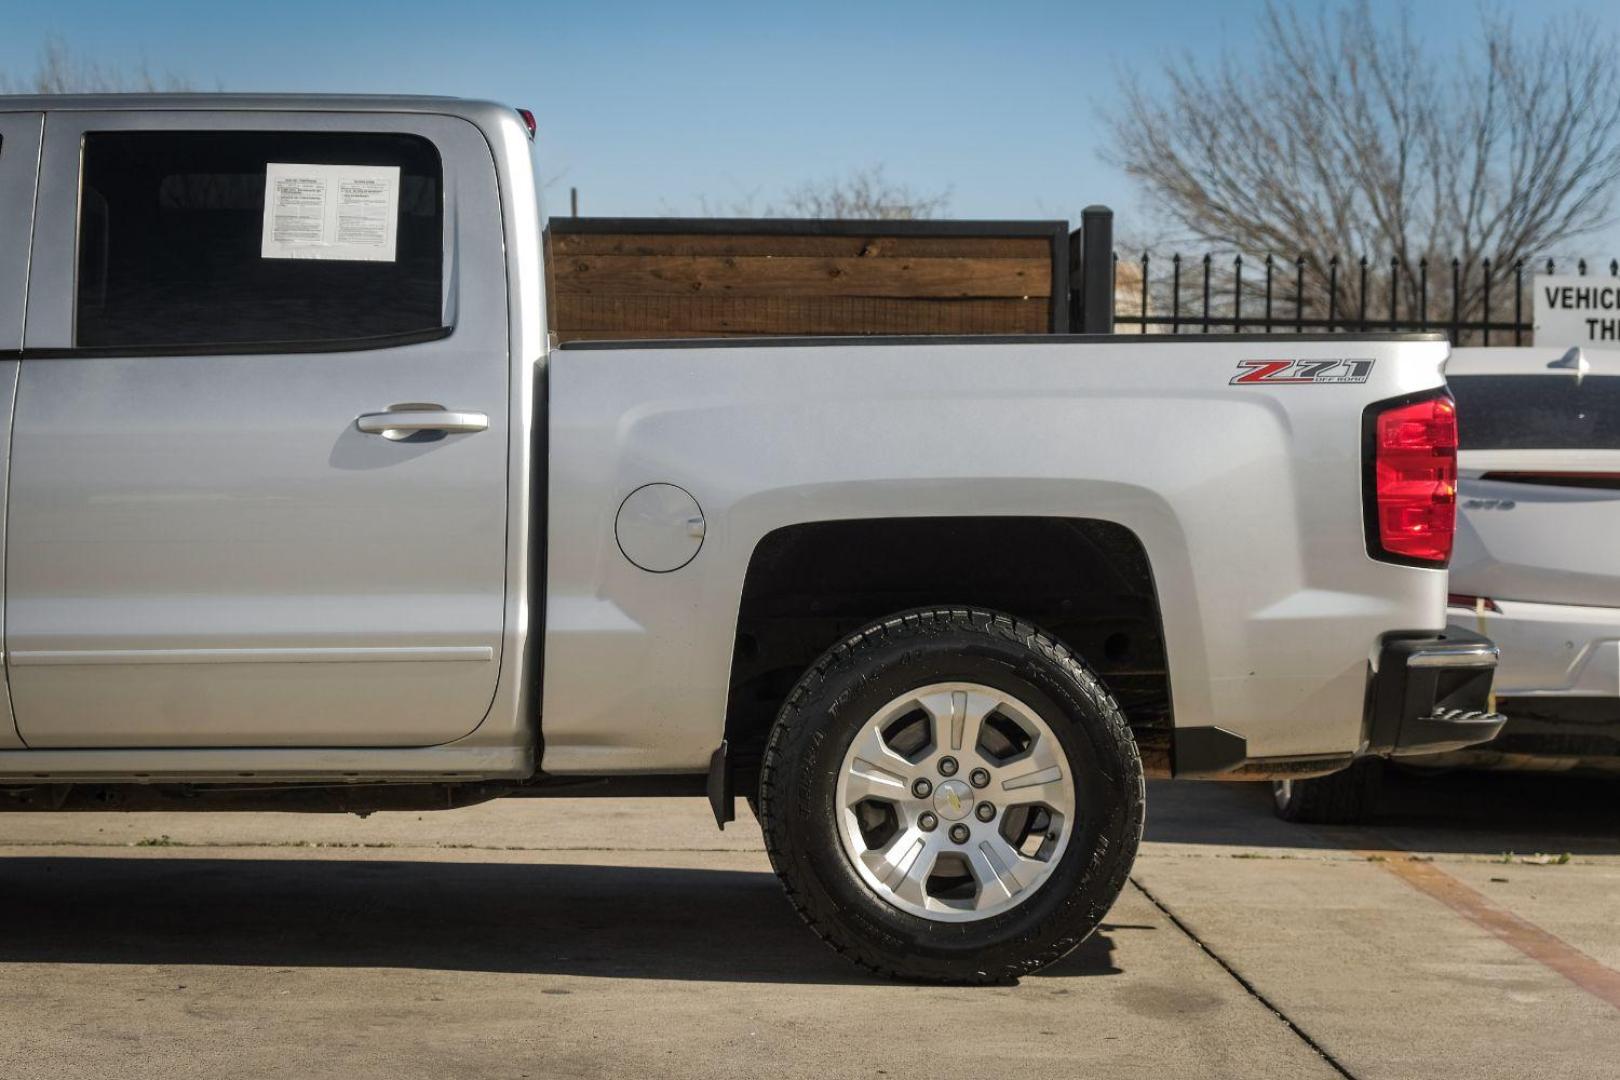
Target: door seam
{"type": "Point", "coordinates": [11, 429]}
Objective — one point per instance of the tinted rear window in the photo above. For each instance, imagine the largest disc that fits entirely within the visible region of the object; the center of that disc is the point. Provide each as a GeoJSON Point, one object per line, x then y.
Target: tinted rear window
{"type": "Point", "coordinates": [170, 230]}
{"type": "Point", "coordinates": [1537, 412]}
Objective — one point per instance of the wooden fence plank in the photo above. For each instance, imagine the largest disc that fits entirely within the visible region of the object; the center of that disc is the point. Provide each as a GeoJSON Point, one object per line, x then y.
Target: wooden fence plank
{"type": "Point", "coordinates": [641, 275]}
{"type": "Point", "coordinates": [577, 316]}
{"type": "Point", "coordinates": [874, 246]}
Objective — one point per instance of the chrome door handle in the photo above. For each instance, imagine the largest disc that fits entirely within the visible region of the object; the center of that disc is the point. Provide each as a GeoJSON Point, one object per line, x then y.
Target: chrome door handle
{"type": "Point", "coordinates": [401, 424]}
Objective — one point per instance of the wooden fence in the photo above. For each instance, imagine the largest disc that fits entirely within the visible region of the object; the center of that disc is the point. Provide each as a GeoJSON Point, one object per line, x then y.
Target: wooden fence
{"type": "Point", "coordinates": [630, 278]}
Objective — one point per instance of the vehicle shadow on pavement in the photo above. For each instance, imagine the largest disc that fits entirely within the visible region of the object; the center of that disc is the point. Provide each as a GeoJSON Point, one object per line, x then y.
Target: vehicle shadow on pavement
{"type": "Point", "coordinates": [585, 920]}
{"type": "Point", "coordinates": [1478, 813]}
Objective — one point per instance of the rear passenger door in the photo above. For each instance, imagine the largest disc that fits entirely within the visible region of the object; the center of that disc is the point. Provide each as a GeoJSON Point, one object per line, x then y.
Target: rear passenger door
{"type": "Point", "coordinates": [19, 168]}
{"type": "Point", "coordinates": [219, 537]}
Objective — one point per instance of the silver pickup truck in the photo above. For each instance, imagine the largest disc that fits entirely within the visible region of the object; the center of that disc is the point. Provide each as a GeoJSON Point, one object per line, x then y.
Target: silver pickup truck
{"type": "Point", "coordinates": [303, 511]}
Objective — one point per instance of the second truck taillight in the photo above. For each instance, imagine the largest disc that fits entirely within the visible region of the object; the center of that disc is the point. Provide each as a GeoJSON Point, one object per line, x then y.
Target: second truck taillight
{"type": "Point", "coordinates": [1413, 503]}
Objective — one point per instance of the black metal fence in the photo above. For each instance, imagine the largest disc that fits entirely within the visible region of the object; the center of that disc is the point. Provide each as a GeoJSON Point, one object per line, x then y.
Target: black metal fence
{"type": "Point", "coordinates": [1476, 304]}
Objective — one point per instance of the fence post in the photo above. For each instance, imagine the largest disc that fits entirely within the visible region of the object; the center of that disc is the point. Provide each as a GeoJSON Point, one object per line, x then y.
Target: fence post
{"type": "Point", "coordinates": [1144, 292]}
{"type": "Point", "coordinates": [1333, 294]}
{"type": "Point", "coordinates": [1394, 289]}
{"type": "Point", "coordinates": [1175, 293]}
{"type": "Point", "coordinates": [1423, 293]}
{"type": "Point", "coordinates": [1206, 292]}
{"type": "Point", "coordinates": [1518, 302]}
{"type": "Point", "coordinates": [1237, 294]}
{"type": "Point", "coordinates": [1096, 270]}
{"type": "Point", "coordinates": [1364, 294]}
{"type": "Point", "coordinates": [1456, 301]}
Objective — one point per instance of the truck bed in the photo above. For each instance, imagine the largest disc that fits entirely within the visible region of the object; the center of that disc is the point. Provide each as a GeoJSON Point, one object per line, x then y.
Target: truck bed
{"type": "Point", "coordinates": [1245, 496]}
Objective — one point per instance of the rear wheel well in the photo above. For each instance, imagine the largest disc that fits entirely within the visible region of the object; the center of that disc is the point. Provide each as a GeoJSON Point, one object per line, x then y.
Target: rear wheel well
{"type": "Point", "coordinates": [1086, 582]}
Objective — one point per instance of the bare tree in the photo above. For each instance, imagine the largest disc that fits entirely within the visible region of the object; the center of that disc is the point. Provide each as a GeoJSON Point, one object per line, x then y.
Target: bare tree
{"type": "Point", "coordinates": [59, 71]}
{"type": "Point", "coordinates": [1342, 137]}
{"type": "Point", "coordinates": [862, 194]}
{"type": "Point", "coordinates": [745, 204]}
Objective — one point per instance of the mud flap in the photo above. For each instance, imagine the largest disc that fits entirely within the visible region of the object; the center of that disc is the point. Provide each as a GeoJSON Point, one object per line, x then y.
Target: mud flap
{"type": "Point", "coordinates": [722, 798]}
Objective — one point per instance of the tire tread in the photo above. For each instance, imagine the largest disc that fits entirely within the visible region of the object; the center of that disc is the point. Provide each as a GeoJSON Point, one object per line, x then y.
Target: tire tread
{"type": "Point", "coordinates": [1341, 798]}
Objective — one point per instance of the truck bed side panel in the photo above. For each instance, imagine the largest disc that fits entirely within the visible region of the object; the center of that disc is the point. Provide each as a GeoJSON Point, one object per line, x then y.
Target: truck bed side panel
{"type": "Point", "coordinates": [1247, 500]}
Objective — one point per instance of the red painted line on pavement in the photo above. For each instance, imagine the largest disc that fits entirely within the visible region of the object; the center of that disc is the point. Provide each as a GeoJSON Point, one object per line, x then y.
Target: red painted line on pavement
{"type": "Point", "coordinates": [1548, 950]}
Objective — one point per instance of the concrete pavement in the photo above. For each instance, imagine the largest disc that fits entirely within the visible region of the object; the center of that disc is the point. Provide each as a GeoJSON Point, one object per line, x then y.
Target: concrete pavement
{"type": "Point", "coordinates": [599, 938]}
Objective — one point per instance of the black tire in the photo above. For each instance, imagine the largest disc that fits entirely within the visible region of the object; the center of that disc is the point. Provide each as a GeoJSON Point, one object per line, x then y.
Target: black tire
{"type": "Point", "coordinates": [1342, 798]}
{"type": "Point", "coordinates": [843, 689]}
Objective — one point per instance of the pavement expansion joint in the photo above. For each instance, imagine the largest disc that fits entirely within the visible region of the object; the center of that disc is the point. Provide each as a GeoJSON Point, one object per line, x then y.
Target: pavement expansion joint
{"type": "Point", "coordinates": [1248, 987]}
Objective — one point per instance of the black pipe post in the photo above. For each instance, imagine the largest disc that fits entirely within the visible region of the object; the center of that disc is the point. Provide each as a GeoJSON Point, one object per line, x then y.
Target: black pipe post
{"type": "Point", "coordinates": [1144, 292]}
{"type": "Point", "coordinates": [1518, 302]}
{"type": "Point", "coordinates": [1206, 292]}
{"type": "Point", "coordinates": [1175, 293]}
{"type": "Point", "coordinates": [1096, 270]}
{"type": "Point", "coordinates": [1423, 293]}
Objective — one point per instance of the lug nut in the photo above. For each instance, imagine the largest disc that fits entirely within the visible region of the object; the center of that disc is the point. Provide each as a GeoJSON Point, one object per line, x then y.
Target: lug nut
{"type": "Point", "coordinates": [947, 766]}
{"type": "Point", "coordinates": [927, 822]}
{"type": "Point", "coordinates": [979, 778]}
{"type": "Point", "coordinates": [959, 833]}
{"type": "Point", "coordinates": [922, 788]}
{"type": "Point", "coordinates": [985, 811]}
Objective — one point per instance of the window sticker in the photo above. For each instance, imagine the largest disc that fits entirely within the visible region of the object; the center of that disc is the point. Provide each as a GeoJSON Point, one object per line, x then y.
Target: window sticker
{"type": "Point", "coordinates": [340, 212]}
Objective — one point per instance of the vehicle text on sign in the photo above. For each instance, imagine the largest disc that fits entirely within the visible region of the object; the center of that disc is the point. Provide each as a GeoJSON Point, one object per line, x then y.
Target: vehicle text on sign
{"type": "Point", "coordinates": [1577, 310]}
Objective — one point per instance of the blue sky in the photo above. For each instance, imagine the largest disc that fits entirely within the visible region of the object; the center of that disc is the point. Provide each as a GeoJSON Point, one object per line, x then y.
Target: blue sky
{"type": "Point", "coordinates": [652, 108]}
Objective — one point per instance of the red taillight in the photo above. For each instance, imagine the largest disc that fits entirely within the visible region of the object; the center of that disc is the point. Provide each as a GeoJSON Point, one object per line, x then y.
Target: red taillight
{"type": "Point", "coordinates": [1415, 480]}
{"type": "Point", "coordinates": [528, 122]}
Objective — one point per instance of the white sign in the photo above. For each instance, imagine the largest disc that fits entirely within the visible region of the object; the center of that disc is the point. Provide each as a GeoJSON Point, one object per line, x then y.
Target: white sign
{"type": "Point", "coordinates": [348, 212]}
{"type": "Point", "coordinates": [1577, 310]}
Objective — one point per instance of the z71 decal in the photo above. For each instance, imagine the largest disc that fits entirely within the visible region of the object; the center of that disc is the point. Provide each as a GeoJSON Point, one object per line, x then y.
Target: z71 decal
{"type": "Point", "coordinates": [1276, 372]}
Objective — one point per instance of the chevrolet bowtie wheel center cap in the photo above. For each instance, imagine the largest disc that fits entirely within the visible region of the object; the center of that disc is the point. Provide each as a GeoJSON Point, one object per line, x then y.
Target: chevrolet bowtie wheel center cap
{"type": "Point", "coordinates": [953, 800]}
